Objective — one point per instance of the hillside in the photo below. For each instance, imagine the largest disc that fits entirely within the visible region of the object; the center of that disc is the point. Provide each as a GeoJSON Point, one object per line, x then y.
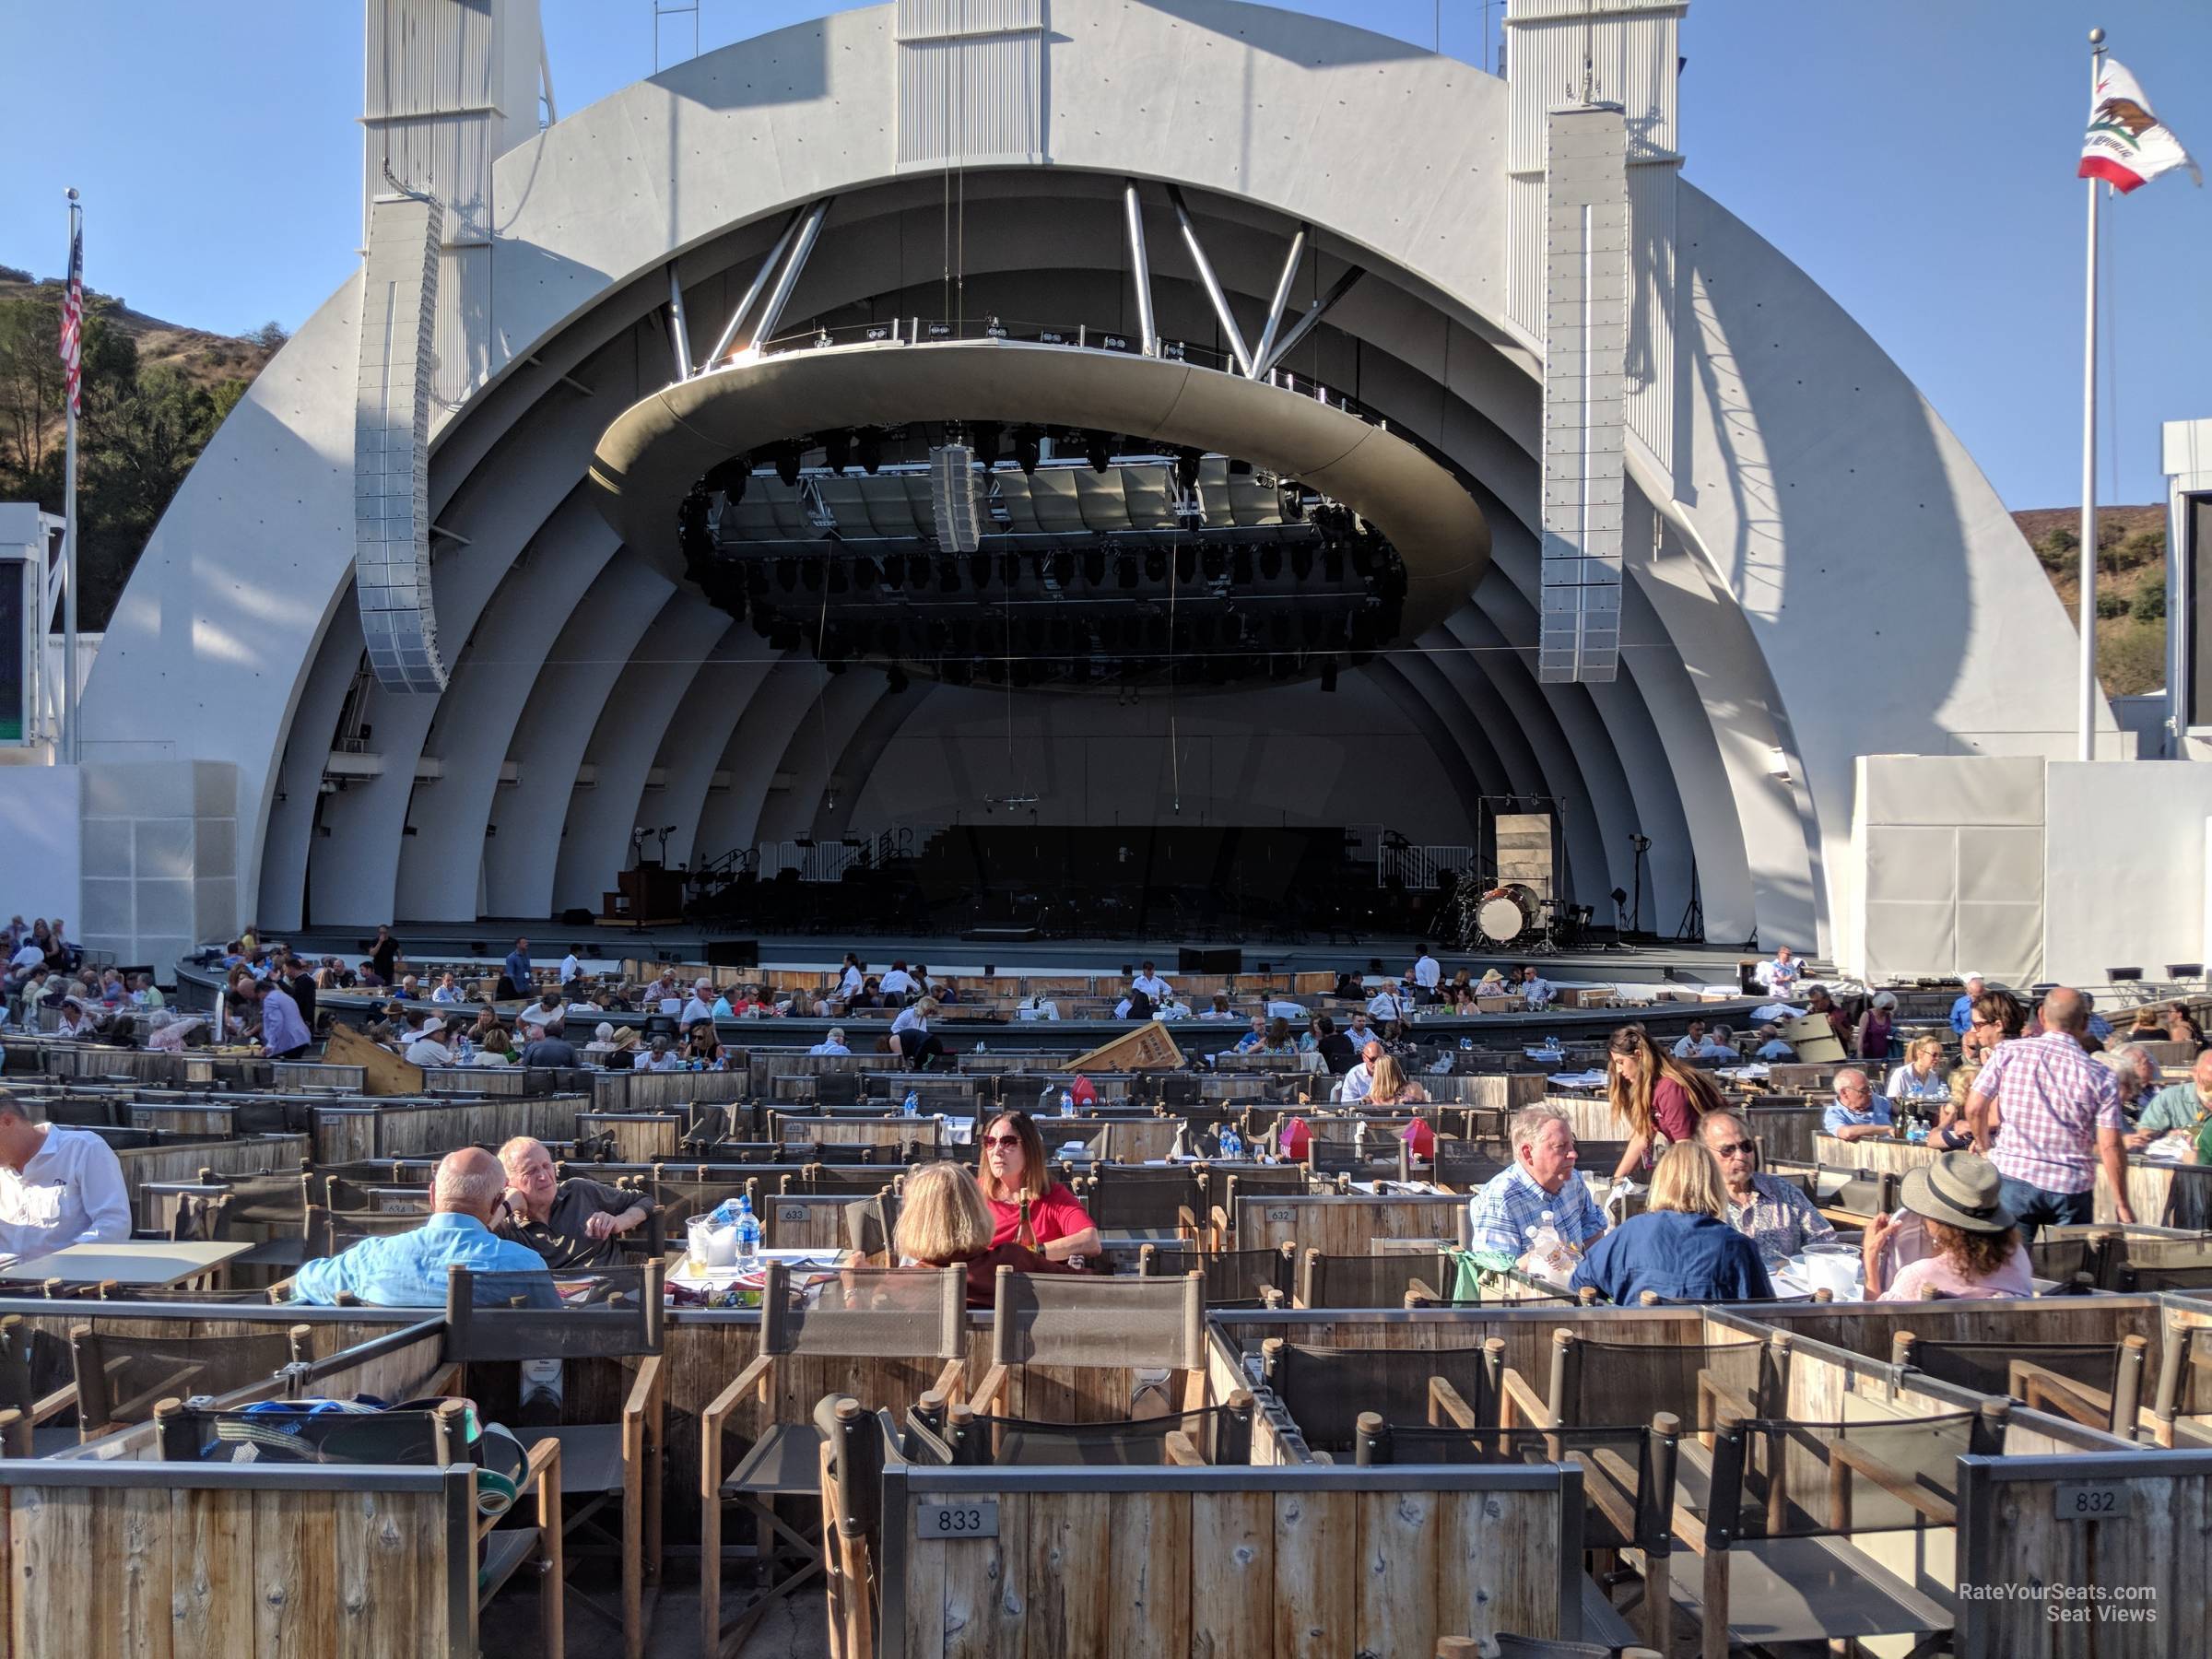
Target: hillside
{"type": "Point", "coordinates": [2131, 587]}
{"type": "Point", "coordinates": [154, 392]}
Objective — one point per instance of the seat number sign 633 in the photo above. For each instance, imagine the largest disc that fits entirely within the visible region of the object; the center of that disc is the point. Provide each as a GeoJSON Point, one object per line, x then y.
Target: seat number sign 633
{"type": "Point", "coordinates": [976, 1520]}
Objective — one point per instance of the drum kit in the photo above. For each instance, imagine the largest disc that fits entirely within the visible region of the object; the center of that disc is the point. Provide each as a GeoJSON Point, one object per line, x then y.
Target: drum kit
{"type": "Point", "coordinates": [1504, 916]}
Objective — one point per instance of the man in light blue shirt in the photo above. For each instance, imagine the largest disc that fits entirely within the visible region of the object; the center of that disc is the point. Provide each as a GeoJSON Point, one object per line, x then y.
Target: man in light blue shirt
{"type": "Point", "coordinates": [517, 969]}
{"type": "Point", "coordinates": [408, 1270]}
{"type": "Point", "coordinates": [833, 1044]}
{"type": "Point", "coordinates": [1857, 1112]}
{"type": "Point", "coordinates": [1506, 1213]}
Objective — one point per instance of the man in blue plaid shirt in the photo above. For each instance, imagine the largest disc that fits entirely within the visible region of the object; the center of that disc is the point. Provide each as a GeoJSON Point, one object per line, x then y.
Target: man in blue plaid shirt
{"type": "Point", "coordinates": [1506, 1213]}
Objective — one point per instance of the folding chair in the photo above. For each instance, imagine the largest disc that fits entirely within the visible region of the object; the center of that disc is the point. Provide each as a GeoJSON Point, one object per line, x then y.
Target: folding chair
{"type": "Point", "coordinates": [1131, 1201]}
{"type": "Point", "coordinates": [1082, 1321]}
{"type": "Point", "coordinates": [1326, 1389]}
{"type": "Point", "coordinates": [606, 1313]}
{"type": "Point", "coordinates": [437, 1436]}
{"type": "Point", "coordinates": [1233, 1278]}
{"type": "Point", "coordinates": [871, 1224]}
{"type": "Point", "coordinates": [1784, 1502]}
{"type": "Point", "coordinates": [957, 1434]}
{"type": "Point", "coordinates": [871, 1313]}
{"type": "Point", "coordinates": [2097, 1383]}
{"type": "Point", "coordinates": [1364, 1281]}
{"type": "Point", "coordinates": [119, 1379]}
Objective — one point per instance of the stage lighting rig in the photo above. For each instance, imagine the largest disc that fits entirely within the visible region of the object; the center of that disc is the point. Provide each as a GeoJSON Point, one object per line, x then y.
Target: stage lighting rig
{"type": "Point", "coordinates": [837, 450]}
{"type": "Point", "coordinates": [1028, 449]}
{"type": "Point", "coordinates": [869, 442]}
{"type": "Point", "coordinates": [788, 457]}
{"type": "Point", "coordinates": [1098, 449]}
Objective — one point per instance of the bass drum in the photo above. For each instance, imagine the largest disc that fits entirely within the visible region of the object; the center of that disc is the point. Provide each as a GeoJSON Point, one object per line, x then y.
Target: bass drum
{"type": "Point", "coordinates": [1507, 912]}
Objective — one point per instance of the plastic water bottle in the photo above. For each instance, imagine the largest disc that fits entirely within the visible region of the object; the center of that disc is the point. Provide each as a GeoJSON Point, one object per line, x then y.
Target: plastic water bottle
{"type": "Point", "coordinates": [912, 1108]}
{"type": "Point", "coordinates": [980, 1048]}
{"type": "Point", "coordinates": [748, 1230]}
{"type": "Point", "coordinates": [1466, 1043]}
{"type": "Point", "coordinates": [1232, 1143]}
{"type": "Point", "coordinates": [1067, 1103]}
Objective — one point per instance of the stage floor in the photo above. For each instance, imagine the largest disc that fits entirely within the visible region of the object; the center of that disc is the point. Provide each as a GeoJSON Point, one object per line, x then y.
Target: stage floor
{"type": "Point", "coordinates": [950, 955]}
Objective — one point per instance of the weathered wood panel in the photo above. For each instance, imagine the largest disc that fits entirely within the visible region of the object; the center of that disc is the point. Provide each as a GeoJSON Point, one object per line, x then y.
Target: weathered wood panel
{"type": "Point", "coordinates": [1344, 1226]}
{"type": "Point", "coordinates": [142, 1164]}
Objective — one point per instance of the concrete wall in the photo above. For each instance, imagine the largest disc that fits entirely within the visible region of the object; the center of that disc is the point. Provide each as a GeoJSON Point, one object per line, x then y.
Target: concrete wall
{"type": "Point", "coordinates": [38, 827]}
{"type": "Point", "coordinates": [1948, 877]}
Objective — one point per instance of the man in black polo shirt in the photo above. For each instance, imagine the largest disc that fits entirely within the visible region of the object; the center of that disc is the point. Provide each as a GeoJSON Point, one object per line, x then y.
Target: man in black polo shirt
{"type": "Point", "coordinates": [571, 1223]}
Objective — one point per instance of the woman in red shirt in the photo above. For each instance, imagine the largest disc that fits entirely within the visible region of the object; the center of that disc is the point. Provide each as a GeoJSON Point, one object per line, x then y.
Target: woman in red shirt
{"type": "Point", "coordinates": [1029, 1206]}
{"type": "Point", "coordinates": [943, 1218]}
{"type": "Point", "coordinates": [1653, 1094]}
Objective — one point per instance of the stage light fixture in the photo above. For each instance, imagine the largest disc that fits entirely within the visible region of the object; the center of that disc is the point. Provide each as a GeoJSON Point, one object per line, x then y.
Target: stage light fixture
{"type": "Point", "coordinates": [788, 457]}
{"type": "Point", "coordinates": [982, 437]}
{"type": "Point", "coordinates": [1302, 561]}
{"type": "Point", "coordinates": [810, 575]}
{"type": "Point", "coordinates": [1029, 448]}
{"type": "Point", "coordinates": [1094, 566]}
{"type": "Point", "coordinates": [787, 574]}
{"type": "Point", "coordinates": [979, 570]}
{"type": "Point", "coordinates": [948, 575]}
{"type": "Point", "coordinates": [1098, 449]}
{"type": "Point", "coordinates": [837, 450]}
{"type": "Point", "coordinates": [1271, 564]}
{"type": "Point", "coordinates": [692, 535]}
{"type": "Point", "coordinates": [896, 681]}
{"type": "Point", "coordinates": [1156, 564]}
{"type": "Point", "coordinates": [1186, 564]}
{"type": "Point", "coordinates": [1293, 500]}
{"type": "Point", "coordinates": [1328, 674]}
{"type": "Point", "coordinates": [1124, 571]}
{"type": "Point", "coordinates": [1186, 469]}
{"type": "Point", "coordinates": [729, 478]}
{"type": "Point", "coordinates": [870, 445]}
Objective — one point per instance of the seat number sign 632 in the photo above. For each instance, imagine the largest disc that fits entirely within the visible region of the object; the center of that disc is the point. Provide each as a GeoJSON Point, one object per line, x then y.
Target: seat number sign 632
{"type": "Point", "coordinates": [976, 1520]}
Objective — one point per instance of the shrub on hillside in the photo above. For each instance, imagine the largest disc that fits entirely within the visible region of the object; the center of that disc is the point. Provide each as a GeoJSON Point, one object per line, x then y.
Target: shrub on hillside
{"type": "Point", "coordinates": [2150, 601]}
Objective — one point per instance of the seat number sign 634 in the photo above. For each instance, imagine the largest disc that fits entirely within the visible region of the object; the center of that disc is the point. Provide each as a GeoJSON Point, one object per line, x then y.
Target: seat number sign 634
{"type": "Point", "coordinates": [976, 1520]}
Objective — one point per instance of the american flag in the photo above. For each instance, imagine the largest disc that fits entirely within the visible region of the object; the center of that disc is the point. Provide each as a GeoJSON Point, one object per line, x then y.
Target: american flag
{"type": "Point", "coordinates": [72, 318]}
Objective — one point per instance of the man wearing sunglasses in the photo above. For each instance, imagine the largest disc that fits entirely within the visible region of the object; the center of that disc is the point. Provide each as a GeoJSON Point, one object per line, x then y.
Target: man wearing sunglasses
{"type": "Point", "coordinates": [1775, 1215]}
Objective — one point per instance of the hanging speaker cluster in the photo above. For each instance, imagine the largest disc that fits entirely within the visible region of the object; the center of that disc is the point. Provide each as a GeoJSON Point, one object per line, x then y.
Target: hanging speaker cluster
{"type": "Point", "coordinates": [954, 499]}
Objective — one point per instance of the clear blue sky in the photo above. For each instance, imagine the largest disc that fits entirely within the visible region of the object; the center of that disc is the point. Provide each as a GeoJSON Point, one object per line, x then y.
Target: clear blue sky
{"type": "Point", "coordinates": [1916, 157]}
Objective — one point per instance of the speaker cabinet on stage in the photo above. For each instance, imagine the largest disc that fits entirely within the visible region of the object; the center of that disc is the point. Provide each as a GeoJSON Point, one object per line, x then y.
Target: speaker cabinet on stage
{"type": "Point", "coordinates": [1209, 961]}
{"type": "Point", "coordinates": [733, 953]}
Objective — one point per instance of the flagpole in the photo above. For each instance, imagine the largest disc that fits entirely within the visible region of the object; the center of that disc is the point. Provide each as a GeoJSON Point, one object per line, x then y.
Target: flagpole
{"type": "Point", "coordinates": [69, 735]}
{"type": "Point", "coordinates": [2089, 460]}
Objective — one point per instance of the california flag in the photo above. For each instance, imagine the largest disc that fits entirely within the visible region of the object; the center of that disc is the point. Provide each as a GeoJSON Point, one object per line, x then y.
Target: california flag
{"type": "Point", "coordinates": [2126, 145]}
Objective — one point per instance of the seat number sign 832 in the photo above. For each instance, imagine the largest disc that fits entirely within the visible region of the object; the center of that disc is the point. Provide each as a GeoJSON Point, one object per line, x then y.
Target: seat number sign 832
{"type": "Point", "coordinates": [976, 1520]}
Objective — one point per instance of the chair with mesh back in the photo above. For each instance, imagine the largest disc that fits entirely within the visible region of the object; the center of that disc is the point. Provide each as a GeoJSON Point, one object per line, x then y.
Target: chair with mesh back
{"type": "Point", "coordinates": [326, 1232]}
{"type": "Point", "coordinates": [866, 1313]}
{"type": "Point", "coordinates": [436, 1436]}
{"type": "Point", "coordinates": [594, 1313]}
{"type": "Point", "coordinates": [1326, 1389]}
{"type": "Point", "coordinates": [1628, 1490]}
{"type": "Point", "coordinates": [2146, 1266]}
{"type": "Point", "coordinates": [121, 1379]}
{"type": "Point", "coordinates": [1787, 1505]}
{"type": "Point", "coordinates": [1595, 1383]}
{"type": "Point", "coordinates": [36, 1384]}
{"type": "Point", "coordinates": [1462, 1166]}
{"type": "Point", "coordinates": [957, 1434]}
{"type": "Point", "coordinates": [871, 1224]}
{"type": "Point", "coordinates": [1084, 1322]}
{"type": "Point", "coordinates": [2097, 1383]}
{"type": "Point", "coordinates": [1365, 1281]}
{"type": "Point", "coordinates": [1233, 1278]}
{"type": "Point", "coordinates": [1130, 1201]}
{"type": "Point", "coordinates": [837, 1088]}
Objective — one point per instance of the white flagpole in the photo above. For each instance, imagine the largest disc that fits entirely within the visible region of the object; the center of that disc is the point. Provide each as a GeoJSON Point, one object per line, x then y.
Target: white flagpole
{"type": "Point", "coordinates": [69, 742]}
{"type": "Point", "coordinates": [2089, 462]}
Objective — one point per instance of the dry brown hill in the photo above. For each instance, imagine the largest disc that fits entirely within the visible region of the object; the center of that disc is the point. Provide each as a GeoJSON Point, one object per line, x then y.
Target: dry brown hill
{"type": "Point", "coordinates": [208, 359]}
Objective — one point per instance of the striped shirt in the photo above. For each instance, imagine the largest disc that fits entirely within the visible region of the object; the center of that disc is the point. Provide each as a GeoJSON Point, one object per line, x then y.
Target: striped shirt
{"type": "Point", "coordinates": [2052, 1100]}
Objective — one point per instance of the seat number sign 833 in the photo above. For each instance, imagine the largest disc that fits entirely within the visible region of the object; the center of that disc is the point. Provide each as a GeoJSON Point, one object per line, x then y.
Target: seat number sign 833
{"type": "Point", "coordinates": [976, 1520]}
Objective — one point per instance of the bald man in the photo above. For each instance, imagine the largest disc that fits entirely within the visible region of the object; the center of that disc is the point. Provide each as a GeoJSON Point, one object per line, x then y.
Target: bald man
{"type": "Point", "coordinates": [568, 1224]}
{"type": "Point", "coordinates": [408, 1270]}
{"type": "Point", "coordinates": [2055, 1116]}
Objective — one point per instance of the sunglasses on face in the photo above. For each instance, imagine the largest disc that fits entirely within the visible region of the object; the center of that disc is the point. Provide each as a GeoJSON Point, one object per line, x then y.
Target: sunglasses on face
{"type": "Point", "coordinates": [1002, 1141]}
{"type": "Point", "coordinates": [1731, 1149]}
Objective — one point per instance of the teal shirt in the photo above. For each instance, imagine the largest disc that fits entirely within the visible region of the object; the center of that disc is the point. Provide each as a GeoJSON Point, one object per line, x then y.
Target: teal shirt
{"type": "Point", "coordinates": [2173, 1107]}
{"type": "Point", "coordinates": [407, 1270]}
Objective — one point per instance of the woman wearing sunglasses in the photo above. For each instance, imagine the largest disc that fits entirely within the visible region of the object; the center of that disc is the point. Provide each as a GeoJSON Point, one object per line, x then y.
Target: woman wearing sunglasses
{"type": "Point", "coordinates": [1029, 1206]}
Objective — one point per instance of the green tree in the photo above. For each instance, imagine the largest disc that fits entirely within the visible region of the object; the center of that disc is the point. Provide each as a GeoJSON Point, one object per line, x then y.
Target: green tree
{"type": "Point", "coordinates": [2150, 601]}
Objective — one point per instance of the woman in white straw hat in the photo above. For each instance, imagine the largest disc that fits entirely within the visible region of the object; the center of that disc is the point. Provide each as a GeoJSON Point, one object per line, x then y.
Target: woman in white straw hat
{"type": "Point", "coordinates": [1973, 1241]}
{"type": "Point", "coordinates": [429, 1047]}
